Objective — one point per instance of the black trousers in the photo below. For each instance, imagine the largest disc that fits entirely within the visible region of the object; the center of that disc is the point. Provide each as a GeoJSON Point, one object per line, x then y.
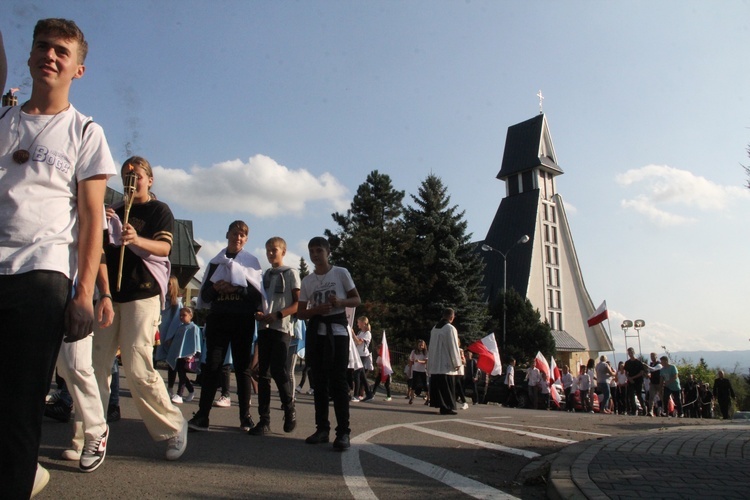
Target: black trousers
{"type": "Point", "coordinates": [443, 392]}
{"type": "Point", "coordinates": [221, 330]}
{"type": "Point", "coordinates": [32, 306]}
{"type": "Point", "coordinates": [328, 356]}
{"type": "Point", "coordinates": [273, 348]}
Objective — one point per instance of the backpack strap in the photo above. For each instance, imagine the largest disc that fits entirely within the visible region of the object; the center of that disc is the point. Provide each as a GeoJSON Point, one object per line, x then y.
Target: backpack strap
{"type": "Point", "coordinates": [85, 126]}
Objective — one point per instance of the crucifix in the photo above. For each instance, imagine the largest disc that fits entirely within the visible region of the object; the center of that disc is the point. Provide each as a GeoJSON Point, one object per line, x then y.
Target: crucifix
{"type": "Point", "coordinates": [541, 98]}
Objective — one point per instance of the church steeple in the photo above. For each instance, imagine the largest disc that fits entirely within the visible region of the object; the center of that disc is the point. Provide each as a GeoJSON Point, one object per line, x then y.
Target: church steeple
{"type": "Point", "coordinates": [529, 160]}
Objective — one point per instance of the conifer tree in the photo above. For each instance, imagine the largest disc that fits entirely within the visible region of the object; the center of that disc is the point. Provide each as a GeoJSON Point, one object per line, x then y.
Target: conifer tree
{"type": "Point", "coordinates": [367, 243]}
{"type": "Point", "coordinates": [303, 269]}
{"type": "Point", "coordinates": [445, 268]}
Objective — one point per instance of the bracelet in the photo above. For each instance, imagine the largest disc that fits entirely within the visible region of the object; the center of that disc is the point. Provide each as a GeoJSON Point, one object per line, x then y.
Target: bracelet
{"type": "Point", "coordinates": [105, 296]}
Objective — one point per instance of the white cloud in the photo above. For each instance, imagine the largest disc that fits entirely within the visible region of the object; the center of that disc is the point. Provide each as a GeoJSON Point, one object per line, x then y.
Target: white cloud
{"type": "Point", "coordinates": [666, 186]}
{"type": "Point", "coordinates": [259, 187]}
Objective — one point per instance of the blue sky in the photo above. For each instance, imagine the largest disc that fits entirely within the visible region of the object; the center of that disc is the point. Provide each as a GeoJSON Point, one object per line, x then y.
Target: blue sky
{"type": "Point", "coordinates": [274, 113]}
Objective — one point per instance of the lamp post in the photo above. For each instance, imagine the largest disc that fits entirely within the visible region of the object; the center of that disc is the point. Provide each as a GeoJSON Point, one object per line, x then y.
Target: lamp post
{"type": "Point", "coordinates": [487, 248]}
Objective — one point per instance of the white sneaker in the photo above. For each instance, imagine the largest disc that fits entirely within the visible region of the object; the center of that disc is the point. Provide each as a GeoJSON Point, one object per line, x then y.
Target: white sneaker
{"type": "Point", "coordinates": [465, 406]}
{"type": "Point", "coordinates": [223, 402]}
{"type": "Point", "coordinates": [72, 455]}
{"type": "Point", "coordinates": [94, 453]}
{"type": "Point", "coordinates": [177, 399]}
{"type": "Point", "coordinates": [355, 400]}
{"type": "Point", "coordinates": [298, 390]}
{"type": "Point", "coordinates": [176, 445]}
{"type": "Point", "coordinates": [41, 478]}
{"type": "Point", "coordinates": [189, 397]}
{"type": "Point", "coordinates": [310, 392]}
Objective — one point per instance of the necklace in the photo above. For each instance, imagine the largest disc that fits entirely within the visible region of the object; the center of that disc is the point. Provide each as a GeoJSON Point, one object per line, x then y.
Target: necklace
{"type": "Point", "coordinates": [21, 156]}
{"type": "Point", "coordinates": [320, 278]}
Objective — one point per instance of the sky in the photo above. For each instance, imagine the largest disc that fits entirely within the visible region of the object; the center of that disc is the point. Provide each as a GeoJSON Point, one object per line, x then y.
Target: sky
{"type": "Point", "coordinates": [274, 112]}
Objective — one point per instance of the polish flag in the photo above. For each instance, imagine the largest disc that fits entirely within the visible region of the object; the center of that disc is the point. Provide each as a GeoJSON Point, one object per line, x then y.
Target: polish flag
{"type": "Point", "coordinates": [385, 359]}
{"type": "Point", "coordinates": [489, 355]}
{"type": "Point", "coordinates": [599, 315]}
{"type": "Point", "coordinates": [543, 367]}
{"type": "Point", "coordinates": [556, 375]}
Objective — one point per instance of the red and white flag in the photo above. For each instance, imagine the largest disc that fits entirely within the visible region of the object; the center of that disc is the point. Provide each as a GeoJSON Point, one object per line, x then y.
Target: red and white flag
{"type": "Point", "coordinates": [599, 315]}
{"type": "Point", "coordinates": [385, 359]}
{"type": "Point", "coordinates": [543, 367]}
{"type": "Point", "coordinates": [489, 355]}
{"type": "Point", "coordinates": [556, 375]}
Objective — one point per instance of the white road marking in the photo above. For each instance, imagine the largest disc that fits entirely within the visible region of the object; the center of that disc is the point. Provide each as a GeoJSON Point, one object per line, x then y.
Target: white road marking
{"type": "Point", "coordinates": [359, 488]}
{"type": "Point", "coordinates": [475, 442]}
{"type": "Point", "coordinates": [520, 433]}
{"type": "Point", "coordinates": [556, 429]}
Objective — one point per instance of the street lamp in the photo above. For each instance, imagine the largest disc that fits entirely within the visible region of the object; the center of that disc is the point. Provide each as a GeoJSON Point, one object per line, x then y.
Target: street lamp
{"type": "Point", "coordinates": [487, 248]}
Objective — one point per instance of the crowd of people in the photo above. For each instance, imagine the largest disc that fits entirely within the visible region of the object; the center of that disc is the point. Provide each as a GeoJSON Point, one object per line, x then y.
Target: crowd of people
{"type": "Point", "coordinates": [651, 389]}
{"type": "Point", "coordinates": [104, 277]}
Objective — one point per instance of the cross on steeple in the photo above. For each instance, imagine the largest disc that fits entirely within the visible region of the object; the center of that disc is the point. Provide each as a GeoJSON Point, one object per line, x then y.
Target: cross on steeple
{"type": "Point", "coordinates": [541, 98]}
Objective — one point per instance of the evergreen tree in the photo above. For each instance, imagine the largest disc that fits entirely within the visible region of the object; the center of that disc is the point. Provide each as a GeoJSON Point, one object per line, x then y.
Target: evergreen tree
{"type": "Point", "coordinates": [525, 332]}
{"type": "Point", "coordinates": [303, 269]}
{"type": "Point", "coordinates": [445, 268]}
{"type": "Point", "coordinates": [367, 243]}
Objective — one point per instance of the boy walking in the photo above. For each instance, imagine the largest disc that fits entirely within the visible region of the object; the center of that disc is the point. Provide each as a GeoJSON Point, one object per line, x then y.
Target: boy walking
{"type": "Point", "coordinates": [281, 284]}
{"type": "Point", "coordinates": [232, 287]}
{"type": "Point", "coordinates": [54, 166]}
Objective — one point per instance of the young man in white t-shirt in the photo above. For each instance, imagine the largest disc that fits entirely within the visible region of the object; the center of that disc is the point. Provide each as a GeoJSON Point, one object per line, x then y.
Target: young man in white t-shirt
{"type": "Point", "coordinates": [54, 166]}
{"type": "Point", "coordinates": [324, 297]}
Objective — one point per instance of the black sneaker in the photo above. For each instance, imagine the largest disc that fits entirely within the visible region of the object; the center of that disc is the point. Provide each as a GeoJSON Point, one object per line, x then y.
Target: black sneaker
{"type": "Point", "coordinates": [113, 413]}
{"type": "Point", "coordinates": [341, 442]}
{"type": "Point", "coordinates": [58, 411]}
{"type": "Point", "coordinates": [198, 423]}
{"type": "Point", "coordinates": [261, 429]}
{"type": "Point", "coordinates": [318, 438]}
{"type": "Point", "coordinates": [247, 423]}
{"type": "Point", "coordinates": [94, 452]}
{"type": "Point", "coordinates": [290, 420]}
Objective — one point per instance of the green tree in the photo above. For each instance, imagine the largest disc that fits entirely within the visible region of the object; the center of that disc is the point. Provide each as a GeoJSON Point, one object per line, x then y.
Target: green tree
{"type": "Point", "coordinates": [526, 333]}
{"type": "Point", "coordinates": [303, 269]}
{"type": "Point", "coordinates": [368, 243]}
{"type": "Point", "coordinates": [445, 268]}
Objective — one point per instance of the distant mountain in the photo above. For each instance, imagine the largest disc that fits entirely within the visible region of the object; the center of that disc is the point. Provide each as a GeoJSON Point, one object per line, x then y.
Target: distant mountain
{"type": "Point", "coordinates": [726, 360]}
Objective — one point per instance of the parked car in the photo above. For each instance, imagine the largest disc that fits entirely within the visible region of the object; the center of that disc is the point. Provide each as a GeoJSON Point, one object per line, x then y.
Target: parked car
{"type": "Point", "coordinates": [497, 392]}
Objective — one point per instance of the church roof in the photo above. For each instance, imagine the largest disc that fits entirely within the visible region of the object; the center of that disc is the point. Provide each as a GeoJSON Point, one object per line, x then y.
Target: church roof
{"type": "Point", "coordinates": [515, 217]}
{"type": "Point", "coordinates": [528, 145]}
{"type": "Point", "coordinates": [564, 342]}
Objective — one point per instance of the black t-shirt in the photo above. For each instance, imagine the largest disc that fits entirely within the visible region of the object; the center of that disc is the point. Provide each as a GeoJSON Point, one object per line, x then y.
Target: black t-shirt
{"type": "Point", "coordinates": [655, 375]}
{"type": "Point", "coordinates": [152, 220]}
{"type": "Point", "coordinates": [633, 367]}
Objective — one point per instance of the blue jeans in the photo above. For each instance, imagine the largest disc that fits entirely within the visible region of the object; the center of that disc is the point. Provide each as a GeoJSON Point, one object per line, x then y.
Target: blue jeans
{"type": "Point", "coordinates": [32, 306]}
{"type": "Point", "coordinates": [606, 395]}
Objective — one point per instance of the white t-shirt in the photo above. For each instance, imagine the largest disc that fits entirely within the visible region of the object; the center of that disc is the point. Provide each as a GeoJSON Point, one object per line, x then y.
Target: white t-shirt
{"type": "Point", "coordinates": [317, 289]}
{"type": "Point", "coordinates": [363, 348]}
{"type": "Point", "coordinates": [39, 229]}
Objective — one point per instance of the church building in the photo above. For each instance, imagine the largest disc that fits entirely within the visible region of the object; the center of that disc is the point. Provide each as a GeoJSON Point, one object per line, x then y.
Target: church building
{"type": "Point", "coordinates": [544, 269]}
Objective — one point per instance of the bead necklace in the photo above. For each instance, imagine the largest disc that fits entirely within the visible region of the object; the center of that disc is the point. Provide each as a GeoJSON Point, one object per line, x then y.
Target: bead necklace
{"type": "Point", "coordinates": [21, 156]}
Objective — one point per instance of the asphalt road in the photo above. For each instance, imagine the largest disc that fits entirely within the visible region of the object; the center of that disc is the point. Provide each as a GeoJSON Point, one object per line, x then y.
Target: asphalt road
{"type": "Point", "coordinates": [399, 451]}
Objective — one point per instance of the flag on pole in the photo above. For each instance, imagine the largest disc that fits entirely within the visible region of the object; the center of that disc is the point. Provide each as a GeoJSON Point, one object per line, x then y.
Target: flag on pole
{"type": "Point", "coordinates": [599, 315]}
{"type": "Point", "coordinates": [489, 355]}
{"type": "Point", "coordinates": [543, 367]}
{"type": "Point", "coordinates": [556, 375]}
{"type": "Point", "coordinates": [385, 359]}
